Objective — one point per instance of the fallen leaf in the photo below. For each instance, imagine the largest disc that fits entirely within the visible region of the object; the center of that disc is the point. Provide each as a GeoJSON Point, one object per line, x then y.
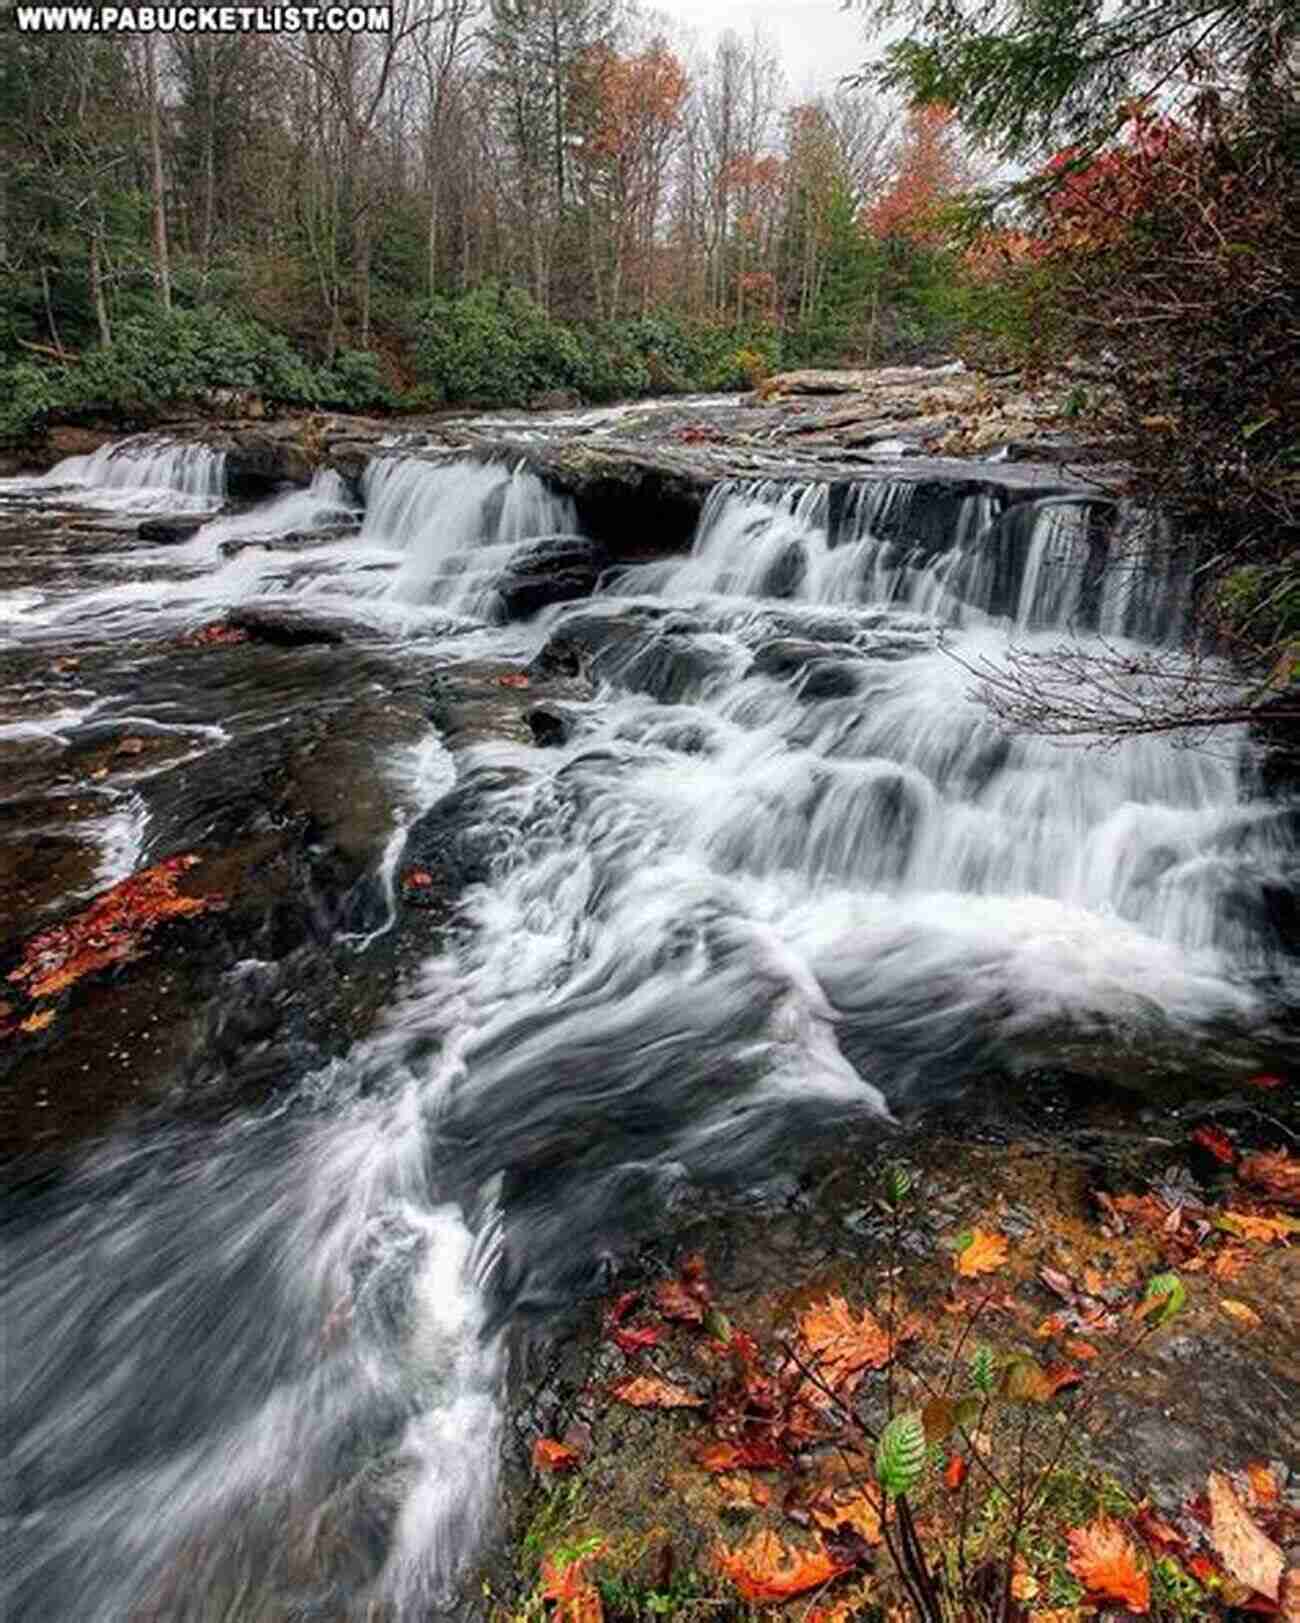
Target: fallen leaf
{"type": "Point", "coordinates": [675, 1301]}
{"type": "Point", "coordinates": [1246, 1552]}
{"type": "Point", "coordinates": [1229, 1263]}
{"type": "Point", "coordinates": [1156, 1531]}
{"type": "Point", "coordinates": [1217, 1142]}
{"type": "Point", "coordinates": [513, 680]}
{"type": "Point", "coordinates": [954, 1473]}
{"type": "Point", "coordinates": [842, 1345]}
{"type": "Point", "coordinates": [1263, 1484]}
{"type": "Point", "coordinates": [857, 1511]}
{"type": "Point", "coordinates": [1053, 1325]}
{"type": "Point", "coordinates": [636, 1339]}
{"type": "Point", "coordinates": [1082, 1349]}
{"type": "Point", "coordinates": [1264, 1081]}
{"type": "Point", "coordinates": [112, 930]}
{"type": "Point", "coordinates": [1104, 1561]}
{"type": "Point", "coordinates": [980, 1252]}
{"type": "Point", "coordinates": [577, 1600]}
{"type": "Point", "coordinates": [1093, 1282]}
{"type": "Point", "coordinates": [417, 879]}
{"type": "Point", "coordinates": [130, 746]}
{"type": "Point", "coordinates": [553, 1457]}
{"type": "Point", "coordinates": [1060, 1376]}
{"type": "Point", "coordinates": [1024, 1586]}
{"type": "Point", "coordinates": [36, 1022]}
{"type": "Point", "coordinates": [1251, 1226]}
{"type": "Point", "coordinates": [649, 1392]}
{"type": "Point", "coordinates": [1239, 1311]}
{"type": "Point", "coordinates": [1275, 1172]}
{"type": "Point", "coordinates": [1289, 1596]}
{"type": "Point", "coordinates": [751, 1454]}
{"type": "Point", "coordinates": [767, 1570]}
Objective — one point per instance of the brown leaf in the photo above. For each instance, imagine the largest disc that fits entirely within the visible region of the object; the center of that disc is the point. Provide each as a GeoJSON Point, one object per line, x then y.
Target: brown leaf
{"type": "Point", "coordinates": [649, 1392]}
{"type": "Point", "coordinates": [675, 1301]}
{"type": "Point", "coordinates": [1105, 1562]}
{"type": "Point", "coordinates": [1156, 1531]}
{"type": "Point", "coordinates": [767, 1570]}
{"type": "Point", "coordinates": [857, 1510]}
{"type": "Point", "coordinates": [1276, 1173]}
{"type": "Point", "coordinates": [553, 1457]}
{"type": "Point", "coordinates": [983, 1253]}
{"type": "Point", "coordinates": [1229, 1263]}
{"type": "Point", "coordinates": [1246, 1552]}
{"type": "Point", "coordinates": [750, 1454]}
{"type": "Point", "coordinates": [1240, 1311]}
{"type": "Point", "coordinates": [1289, 1596]}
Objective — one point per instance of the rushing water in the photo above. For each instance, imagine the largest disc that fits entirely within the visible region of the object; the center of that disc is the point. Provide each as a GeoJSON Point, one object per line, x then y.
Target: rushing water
{"type": "Point", "coordinates": [783, 875]}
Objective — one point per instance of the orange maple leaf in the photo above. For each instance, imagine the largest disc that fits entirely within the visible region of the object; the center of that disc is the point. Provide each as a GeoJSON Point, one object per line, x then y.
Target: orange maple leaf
{"type": "Point", "coordinates": [767, 1570]}
{"type": "Point", "coordinates": [1105, 1563]}
{"type": "Point", "coordinates": [548, 1455]}
{"type": "Point", "coordinates": [1229, 1263]}
{"type": "Point", "coordinates": [1082, 1349]}
{"type": "Point", "coordinates": [982, 1253]}
{"type": "Point", "coordinates": [1263, 1484]}
{"type": "Point", "coordinates": [842, 1346]}
{"type": "Point", "coordinates": [649, 1392]}
{"type": "Point", "coordinates": [675, 1301]}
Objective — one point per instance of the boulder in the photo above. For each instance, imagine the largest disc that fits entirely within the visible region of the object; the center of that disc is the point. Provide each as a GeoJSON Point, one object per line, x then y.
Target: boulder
{"type": "Point", "coordinates": [552, 569]}
{"type": "Point", "coordinates": [168, 532]}
{"type": "Point", "coordinates": [259, 464]}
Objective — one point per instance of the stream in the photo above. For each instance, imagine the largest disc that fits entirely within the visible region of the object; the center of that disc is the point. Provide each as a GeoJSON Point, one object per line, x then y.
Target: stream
{"type": "Point", "coordinates": [773, 876]}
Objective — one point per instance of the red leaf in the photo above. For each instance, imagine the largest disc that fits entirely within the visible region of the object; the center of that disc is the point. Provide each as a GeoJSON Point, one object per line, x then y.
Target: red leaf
{"type": "Point", "coordinates": [622, 1306]}
{"type": "Point", "coordinates": [553, 1457]}
{"type": "Point", "coordinates": [636, 1340]}
{"type": "Point", "coordinates": [954, 1473]}
{"type": "Point", "coordinates": [1217, 1143]}
{"type": "Point", "coordinates": [1105, 1563]}
{"type": "Point", "coordinates": [1264, 1081]}
{"type": "Point", "coordinates": [513, 680]}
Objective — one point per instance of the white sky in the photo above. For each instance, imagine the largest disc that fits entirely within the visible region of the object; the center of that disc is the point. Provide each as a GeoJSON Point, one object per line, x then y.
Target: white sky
{"type": "Point", "coordinates": [818, 40]}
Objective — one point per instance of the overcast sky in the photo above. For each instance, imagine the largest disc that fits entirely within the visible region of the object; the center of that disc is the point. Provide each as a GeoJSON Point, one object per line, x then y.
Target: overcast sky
{"type": "Point", "coordinates": [817, 39]}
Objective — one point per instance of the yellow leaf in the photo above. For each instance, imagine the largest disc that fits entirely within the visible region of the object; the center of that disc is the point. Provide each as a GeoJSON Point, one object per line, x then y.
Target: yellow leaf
{"type": "Point", "coordinates": [1251, 1226]}
{"type": "Point", "coordinates": [981, 1254]}
{"type": "Point", "coordinates": [1239, 1311]}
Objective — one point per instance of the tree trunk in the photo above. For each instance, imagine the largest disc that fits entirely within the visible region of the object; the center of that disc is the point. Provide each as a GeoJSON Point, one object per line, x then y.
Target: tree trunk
{"type": "Point", "coordinates": [156, 164]}
{"type": "Point", "coordinates": [49, 309]}
{"type": "Point", "coordinates": [209, 180]}
{"type": "Point", "coordinates": [97, 290]}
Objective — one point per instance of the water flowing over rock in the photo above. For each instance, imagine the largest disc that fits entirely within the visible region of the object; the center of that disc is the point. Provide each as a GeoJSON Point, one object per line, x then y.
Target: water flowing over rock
{"type": "Point", "coordinates": [574, 877]}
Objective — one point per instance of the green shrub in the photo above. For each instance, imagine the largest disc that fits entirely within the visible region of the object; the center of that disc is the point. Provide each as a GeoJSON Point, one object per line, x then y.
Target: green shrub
{"type": "Point", "coordinates": [28, 395]}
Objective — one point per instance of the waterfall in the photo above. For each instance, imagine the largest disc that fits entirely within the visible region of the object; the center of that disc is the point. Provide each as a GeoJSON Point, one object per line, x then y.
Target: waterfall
{"type": "Point", "coordinates": [457, 524]}
{"type": "Point", "coordinates": [954, 552]}
{"type": "Point", "coordinates": [146, 467]}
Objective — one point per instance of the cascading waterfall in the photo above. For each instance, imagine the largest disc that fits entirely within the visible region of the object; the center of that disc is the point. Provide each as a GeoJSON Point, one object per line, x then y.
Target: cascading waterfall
{"type": "Point", "coordinates": [782, 875]}
{"type": "Point", "coordinates": [142, 468]}
{"type": "Point", "coordinates": [950, 553]}
{"type": "Point", "coordinates": [457, 523]}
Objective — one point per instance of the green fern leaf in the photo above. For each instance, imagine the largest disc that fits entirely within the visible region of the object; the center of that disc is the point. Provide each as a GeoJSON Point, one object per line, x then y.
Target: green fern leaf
{"type": "Point", "coordinates": [983, 1374]}
{"type": "Point", "coordinates": [897, 1184]}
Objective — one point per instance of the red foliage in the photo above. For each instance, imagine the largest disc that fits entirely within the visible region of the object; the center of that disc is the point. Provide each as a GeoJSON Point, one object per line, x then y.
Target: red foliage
{"type": "Point", "coordinates": [929, 171]}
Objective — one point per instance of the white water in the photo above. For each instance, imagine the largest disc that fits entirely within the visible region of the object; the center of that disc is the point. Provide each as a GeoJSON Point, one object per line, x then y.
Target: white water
{"type": "Point", "coordinates": [141, 475]}
{"type": "Point", "coordinates": [456, 525]}
{"type": "Point", "coordinates": [784, 877]}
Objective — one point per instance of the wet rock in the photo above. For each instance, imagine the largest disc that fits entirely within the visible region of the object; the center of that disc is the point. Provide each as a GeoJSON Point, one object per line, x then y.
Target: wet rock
{"type": "Point", "coordinates": [259, 464]}
{"type": "Point", "coordinates": [550, 725]}
{"type": "Point", "coordinates": [552, 569]}
{"type": "Point", "coordinates": [286, 625]}
{"type": "Point", "coordinates": [169, 531]}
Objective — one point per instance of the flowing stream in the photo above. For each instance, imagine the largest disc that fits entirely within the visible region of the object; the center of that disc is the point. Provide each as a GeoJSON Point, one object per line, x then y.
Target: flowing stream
{"type": "Point", "coordinates": [781, 875]}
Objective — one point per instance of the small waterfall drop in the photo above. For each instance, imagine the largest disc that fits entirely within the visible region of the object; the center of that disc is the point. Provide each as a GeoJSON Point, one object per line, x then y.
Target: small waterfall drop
{"type": "Point", "coordinates": [140, 469]}
{"type": "Point", "coordinates": [457, 524]}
